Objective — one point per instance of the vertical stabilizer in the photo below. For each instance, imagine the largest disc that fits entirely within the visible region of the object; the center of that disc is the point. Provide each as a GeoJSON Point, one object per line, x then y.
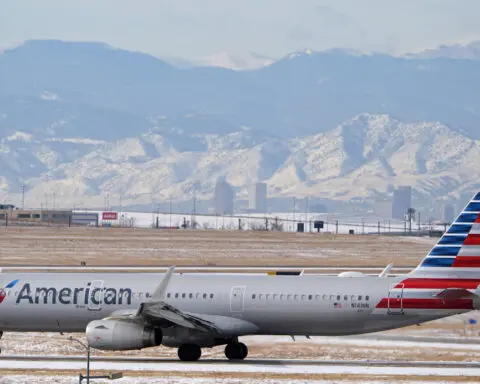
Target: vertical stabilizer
{"type": "Point", "coordinates": [457, 254]}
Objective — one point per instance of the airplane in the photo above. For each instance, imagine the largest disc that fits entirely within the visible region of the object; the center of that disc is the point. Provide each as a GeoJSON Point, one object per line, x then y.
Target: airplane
{"type": "Point", "coordinates": [125, 311]}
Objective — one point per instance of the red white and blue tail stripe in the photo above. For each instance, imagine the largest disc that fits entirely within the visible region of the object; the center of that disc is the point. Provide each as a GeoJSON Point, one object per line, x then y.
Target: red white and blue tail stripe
{"type": "Point", "coordinates": [447, 281]}
{"type": "Point", "coordinates": [457, 254]}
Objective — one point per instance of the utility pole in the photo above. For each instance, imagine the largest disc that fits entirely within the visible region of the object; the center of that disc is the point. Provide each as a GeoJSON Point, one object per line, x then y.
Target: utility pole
{"type": "Point", "coordinates": [306, 214]}
{"type": "Point", "coordinates": [23, 196]}
{"type": "Point", "coordinates": [170, 211]}
{"type": "Point", "coordinates": [294, 203]}
{"type": "Point", "coordinates": [194, 209]}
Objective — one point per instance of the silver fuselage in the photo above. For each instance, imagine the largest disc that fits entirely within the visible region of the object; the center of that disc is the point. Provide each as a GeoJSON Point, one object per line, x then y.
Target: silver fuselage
{"type": "Point", "coordinates": [277, 305]}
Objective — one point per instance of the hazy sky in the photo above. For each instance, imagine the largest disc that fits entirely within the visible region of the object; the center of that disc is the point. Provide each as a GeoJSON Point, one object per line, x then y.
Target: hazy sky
{"type": "Point", "coordinates": [193, 28]}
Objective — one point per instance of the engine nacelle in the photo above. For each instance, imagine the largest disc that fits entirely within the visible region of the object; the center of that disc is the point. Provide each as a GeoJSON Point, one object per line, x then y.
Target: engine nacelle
{"type": "Point", "coordinates": [115, 335]}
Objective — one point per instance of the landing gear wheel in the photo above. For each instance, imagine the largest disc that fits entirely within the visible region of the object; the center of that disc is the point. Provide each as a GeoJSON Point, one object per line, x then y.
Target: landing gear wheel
{"type": "Point", "coordinates": [189, 352]}
{"type": "Point", "coordinates": [236, 351]}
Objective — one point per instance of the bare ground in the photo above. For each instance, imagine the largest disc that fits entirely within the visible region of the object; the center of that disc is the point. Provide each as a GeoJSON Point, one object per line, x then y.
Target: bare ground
{"type": "Point", "coordinates": [123, 246]}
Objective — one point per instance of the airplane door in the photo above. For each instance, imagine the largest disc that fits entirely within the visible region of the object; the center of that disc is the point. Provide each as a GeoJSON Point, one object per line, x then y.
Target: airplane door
{"type": "Point", "coordinates": [237, 299]}
{"type": "Point", "coordinates": [95, 297]}
{"type": "Point", "coordinates": [395, 299]}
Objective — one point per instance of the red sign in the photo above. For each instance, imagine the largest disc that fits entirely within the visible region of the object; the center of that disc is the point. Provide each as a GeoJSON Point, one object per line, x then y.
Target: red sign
{"type": "Point", "coordinates": [109, 215]}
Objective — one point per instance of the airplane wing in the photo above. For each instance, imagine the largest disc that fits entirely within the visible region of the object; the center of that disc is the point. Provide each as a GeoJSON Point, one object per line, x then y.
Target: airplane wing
{"type": "Point", "coordinates": [157, 311]}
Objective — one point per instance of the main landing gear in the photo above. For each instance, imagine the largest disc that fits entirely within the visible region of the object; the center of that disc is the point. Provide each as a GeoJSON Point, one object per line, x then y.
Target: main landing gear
{"type": "Point", "coordinates": [233, 351]}
{"type": "Point", "coordinates": [236, 351]}
{"type": "Point", "coordinates": [189, 352]}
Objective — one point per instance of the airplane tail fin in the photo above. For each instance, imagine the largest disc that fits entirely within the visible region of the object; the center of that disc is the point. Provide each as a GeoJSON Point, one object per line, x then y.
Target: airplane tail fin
{"type": "Point", "coordinates": [457, 254]}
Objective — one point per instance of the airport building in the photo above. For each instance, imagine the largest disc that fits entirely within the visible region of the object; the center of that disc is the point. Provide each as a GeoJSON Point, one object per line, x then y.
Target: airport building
{"type": "Point", "coordinates": [224, 197]}
{"type": "Point", "coordinates": [402, 201]}
{"type": "Point", "coordinates": [257, 198]}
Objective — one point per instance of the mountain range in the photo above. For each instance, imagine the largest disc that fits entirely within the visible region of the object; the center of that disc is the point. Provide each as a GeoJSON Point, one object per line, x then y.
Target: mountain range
{"type": "Point", "coordinates": [360, 159]}
{"type": "Point", "coordinates": [81, 119]}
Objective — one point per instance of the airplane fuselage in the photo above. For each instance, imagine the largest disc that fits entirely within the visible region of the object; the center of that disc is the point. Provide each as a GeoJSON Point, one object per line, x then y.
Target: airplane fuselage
{"type": "Point", "coordinates": [277, 305]}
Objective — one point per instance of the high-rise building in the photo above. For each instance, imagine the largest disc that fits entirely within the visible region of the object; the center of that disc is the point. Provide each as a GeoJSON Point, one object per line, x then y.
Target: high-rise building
{"type": "Point", "coordinates": [257, 197]}
{"type": "Point", "coordinates": [448, 213]}
{"type": "Point", "coordinates": [224, 196]}
{"type": "Point", "coordinates": [383, 207]}
{"type": "Point", "coordinates": [402, 201]}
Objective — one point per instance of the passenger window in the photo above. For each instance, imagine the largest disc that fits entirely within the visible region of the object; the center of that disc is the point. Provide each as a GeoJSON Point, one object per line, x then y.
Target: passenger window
{"type": "Point", "coordinates": [310, 297]}
{"type": "Point", "coordinates": [360, 298]}
{"type": "Point", "coordinates": [198, 295]}
{"type": "Point", "coordinates": [183, 295]}
{"type": "Point", "coordinates": [338, 297]}
{"type": "Point", "coordinates": [282, 297]}
{"type": "Point", "coordinates": [332, 297]}
{"type": "Point", "coordinates": [275, 297]}
{"type": "Point", "coordinates": [367, 298]}
{"type": "Point", "coordinates": [290, 297]}
{"type": "Point", "coordinates": [253, 296]}
{"type": "Point", "coordinates": [190, 295]}
{"type": "Point", "coordinates": [354, 298]}
{"type": "Point", "coordinates": [324, 297]}
{"type": "Point", "coordinates": [211, 295]}
{"type": "Point", "coordinates": [345, 298]}
{"type": "Point", "coordinates": [176, 295]}
{"type": "Point", "coordinates": [204, 295]}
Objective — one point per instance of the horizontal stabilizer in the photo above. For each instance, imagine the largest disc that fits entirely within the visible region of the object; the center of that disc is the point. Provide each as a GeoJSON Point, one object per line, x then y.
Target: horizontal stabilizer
{"type": "Point", "coordinates": [451, 294]}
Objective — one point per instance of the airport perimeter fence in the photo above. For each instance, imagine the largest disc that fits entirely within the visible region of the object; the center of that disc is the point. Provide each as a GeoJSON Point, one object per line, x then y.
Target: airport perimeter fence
{"type": "Point", "coordinates": [307, 223]}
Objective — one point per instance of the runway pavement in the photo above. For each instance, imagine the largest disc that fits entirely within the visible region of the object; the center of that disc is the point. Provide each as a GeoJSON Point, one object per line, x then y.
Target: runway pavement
{"type": "Point", "coordinates": [310, 367]}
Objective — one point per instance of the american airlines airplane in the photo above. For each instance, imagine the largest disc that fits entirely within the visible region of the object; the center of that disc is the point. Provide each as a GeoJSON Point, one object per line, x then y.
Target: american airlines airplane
{"type": "Point", "coordinates": [125, 311]}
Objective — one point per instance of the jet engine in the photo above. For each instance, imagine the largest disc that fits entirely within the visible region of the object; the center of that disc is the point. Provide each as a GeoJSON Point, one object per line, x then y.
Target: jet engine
{"type": "Point", "coordinates": [117, 335]}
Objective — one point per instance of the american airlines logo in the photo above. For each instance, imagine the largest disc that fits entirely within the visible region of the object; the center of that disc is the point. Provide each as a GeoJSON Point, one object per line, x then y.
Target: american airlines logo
{"type": "Point", "coordinates": [77, 296]}
{"type": "Point", "coordinates": [4, 291]}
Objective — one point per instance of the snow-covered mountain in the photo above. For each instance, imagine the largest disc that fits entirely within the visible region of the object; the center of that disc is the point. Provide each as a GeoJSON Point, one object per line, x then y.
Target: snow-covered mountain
{"type": "Point", "coordinates": [469, 51]}
{"type": "Point", "coordinates": [360, 158]}
{"type": "Point", "coordinates": [249, 60]}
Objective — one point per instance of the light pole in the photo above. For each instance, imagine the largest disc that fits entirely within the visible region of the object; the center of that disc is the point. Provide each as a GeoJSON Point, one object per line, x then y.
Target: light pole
{"type": "Point", "coordinates": [87, 347]}
{"type": "Point", "coordinates": [110, 376]}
